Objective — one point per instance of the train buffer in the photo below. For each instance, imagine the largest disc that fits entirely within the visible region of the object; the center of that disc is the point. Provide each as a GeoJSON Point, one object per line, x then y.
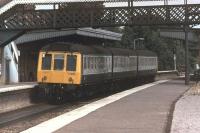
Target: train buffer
{"type": "Point", "coordinates": [142, 109]}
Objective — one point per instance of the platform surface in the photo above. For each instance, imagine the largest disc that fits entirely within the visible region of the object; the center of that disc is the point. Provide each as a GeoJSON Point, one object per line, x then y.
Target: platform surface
{"type": "Point", "coordinates": [146, 111]}
{"type": "Point", "coordinates": [17, 86]}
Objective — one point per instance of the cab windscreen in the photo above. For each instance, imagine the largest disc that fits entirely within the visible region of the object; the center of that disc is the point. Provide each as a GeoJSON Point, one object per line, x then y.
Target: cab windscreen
{"type": "Point", "coordinates": [46, 62]}
{"type": "Point", "coordinates": [58, 62]}
{"type": "Point", "coordinates": [71, 62]}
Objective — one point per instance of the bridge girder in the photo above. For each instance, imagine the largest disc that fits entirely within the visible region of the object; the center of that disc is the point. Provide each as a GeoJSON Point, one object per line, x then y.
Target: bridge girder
{"type": "Point", "coordinates": [26, 17]}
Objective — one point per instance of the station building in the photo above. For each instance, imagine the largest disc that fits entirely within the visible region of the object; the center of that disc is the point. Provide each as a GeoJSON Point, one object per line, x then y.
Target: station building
{"type": "Point", "coordinates": [19, 58]}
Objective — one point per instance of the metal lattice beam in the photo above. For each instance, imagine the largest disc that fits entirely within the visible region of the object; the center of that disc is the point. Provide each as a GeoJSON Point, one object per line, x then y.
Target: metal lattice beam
{"type": "Point", "coordinates": [27, 18]}
{"type": "Point", "coordinates": [3, 2]}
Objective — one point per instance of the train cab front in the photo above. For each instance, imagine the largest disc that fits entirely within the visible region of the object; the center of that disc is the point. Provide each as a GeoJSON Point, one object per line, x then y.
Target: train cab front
{"type": "Point", "coordinates": [59, 69]}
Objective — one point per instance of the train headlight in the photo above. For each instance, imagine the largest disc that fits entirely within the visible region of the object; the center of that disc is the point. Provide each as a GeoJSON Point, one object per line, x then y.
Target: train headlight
{"type": "Point", "coordinates": [44, 78]}
{"type": "Point", "coordinates": [43, 55]}
{"type": "Point", "coordinates": [71, 80]}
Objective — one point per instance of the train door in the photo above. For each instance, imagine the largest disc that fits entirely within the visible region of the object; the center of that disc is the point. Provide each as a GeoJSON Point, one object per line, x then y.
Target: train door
{"type": "Point", "coordinates": [73, 68]}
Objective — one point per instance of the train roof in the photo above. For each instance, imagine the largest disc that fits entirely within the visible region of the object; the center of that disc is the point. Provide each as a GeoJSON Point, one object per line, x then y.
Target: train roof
{"type": "Point", "coordinates": [94, 49]}
{"type": "Point", "coordinates": [146, 53]}
{"type": "Point", "coordinates": [122, 51]}
{"type": "Point", "coordinates": [69, 47]}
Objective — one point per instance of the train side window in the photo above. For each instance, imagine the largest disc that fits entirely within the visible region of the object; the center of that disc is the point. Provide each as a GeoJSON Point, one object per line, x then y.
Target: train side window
{"type": "Point", "coordinates": [106, 64]}
{"type": "Point", "coordinates": [58, 62]}
{"type": "Point", "coordinates": [85, 63]}
{"type": "Point", "coordinates": [115, 62]}
{"type": "Point", "coordinates": [46, 62]}
{"type": "Point", "coordinates": [71, 62]}
{"type": "Point", "coordinates": [95, 63]}
{"type": "Point", "coordinates": [100, 64]}
{"type": "Point", "coordinates": [90, 62]}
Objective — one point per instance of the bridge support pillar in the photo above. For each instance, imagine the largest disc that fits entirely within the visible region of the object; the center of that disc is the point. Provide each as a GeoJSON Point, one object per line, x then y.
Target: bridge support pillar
{"type": "Point", "coordinates": [2, 76]}
{"type": "Point", "coordinates": [130, 3]}
{"type": "Point", "coordinates": [6, 37]}
{"type": "Point", "coordinates": [187, 68]}
{"type": "Point", "coordinates": [165, 2]}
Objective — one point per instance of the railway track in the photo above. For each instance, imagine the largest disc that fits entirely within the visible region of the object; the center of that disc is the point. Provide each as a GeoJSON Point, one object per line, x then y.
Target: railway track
{"type": "Point", "coordinates": [21, 119]}
{"type": "Point", "coordinates": [9, 117]}
{"type": "Point", "coordinates": [25, 118]}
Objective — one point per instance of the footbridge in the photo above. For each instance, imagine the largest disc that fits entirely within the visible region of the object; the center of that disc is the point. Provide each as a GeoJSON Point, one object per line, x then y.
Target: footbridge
{"type": "Point", "coordinates": [24, 15]}
{"type": "Point", "coordinates": [19, 16]}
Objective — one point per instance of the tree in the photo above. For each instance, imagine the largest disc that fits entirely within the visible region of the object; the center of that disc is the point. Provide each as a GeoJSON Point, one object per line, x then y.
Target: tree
{"type": "Point", "coordinates": [163, 47]}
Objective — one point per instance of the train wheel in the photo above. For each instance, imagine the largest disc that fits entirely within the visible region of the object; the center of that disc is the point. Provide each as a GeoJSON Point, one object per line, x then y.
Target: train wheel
{"type": "Point", "coordinates": [53, 95]}
{"type": "Point", "coordinates": [77, 93]}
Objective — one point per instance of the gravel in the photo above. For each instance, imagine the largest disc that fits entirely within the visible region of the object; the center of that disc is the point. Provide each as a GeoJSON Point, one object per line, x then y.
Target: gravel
{"type": "Point", "coordinates": [186, 117]}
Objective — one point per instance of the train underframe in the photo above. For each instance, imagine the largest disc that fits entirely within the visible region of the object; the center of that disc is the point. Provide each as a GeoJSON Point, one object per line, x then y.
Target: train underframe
{"type": "Point", "coordinates": [59, 93]}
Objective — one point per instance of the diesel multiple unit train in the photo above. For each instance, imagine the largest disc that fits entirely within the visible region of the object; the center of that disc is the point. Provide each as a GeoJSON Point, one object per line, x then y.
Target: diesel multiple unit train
{"type": "Point", "coordinates": [65, 67]}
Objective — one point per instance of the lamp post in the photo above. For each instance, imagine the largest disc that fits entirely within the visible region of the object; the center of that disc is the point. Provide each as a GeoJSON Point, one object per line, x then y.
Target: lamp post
{"type": "Point", "coordinates": [175, 68]}
{"type": "Point", "coordinates": [134, 42]}
{"type": "Point", "coordinates": [187, 71]}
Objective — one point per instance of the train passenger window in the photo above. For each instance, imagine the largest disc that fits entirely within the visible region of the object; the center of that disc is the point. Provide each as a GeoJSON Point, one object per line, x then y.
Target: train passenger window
{"type": "Point", "coordinates": [85, 63]}
{"type": "Point", "coordinates": [95, 63]}
{"type": "Point", "coordinates": [106, 62]}
{"type": "Point", "coordinates": [46, 62]}
{"type": "Point", "coordinates": [89, 62]}
{"type": "Point", "coordinates": [59, 62]}
{"type": "Point", "coordinates": [71, 62]}
{"type": "Point", "coordinates": [102, 63]}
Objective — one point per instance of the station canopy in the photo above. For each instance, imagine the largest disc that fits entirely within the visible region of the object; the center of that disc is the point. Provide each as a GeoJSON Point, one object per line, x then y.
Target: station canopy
{"type": "Point", "coordinates": [87, 32]}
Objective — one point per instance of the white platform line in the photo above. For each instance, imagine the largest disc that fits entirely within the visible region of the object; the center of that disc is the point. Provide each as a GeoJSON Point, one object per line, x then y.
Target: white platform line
{"type": "Point", "coordinates": [58, 122]}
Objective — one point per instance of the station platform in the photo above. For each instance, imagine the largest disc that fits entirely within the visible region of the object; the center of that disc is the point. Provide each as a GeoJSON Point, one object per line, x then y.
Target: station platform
{"type": "Point", "coordinates": [144, 109]}
{"type": "Point", "coordinates": [17, 86]}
